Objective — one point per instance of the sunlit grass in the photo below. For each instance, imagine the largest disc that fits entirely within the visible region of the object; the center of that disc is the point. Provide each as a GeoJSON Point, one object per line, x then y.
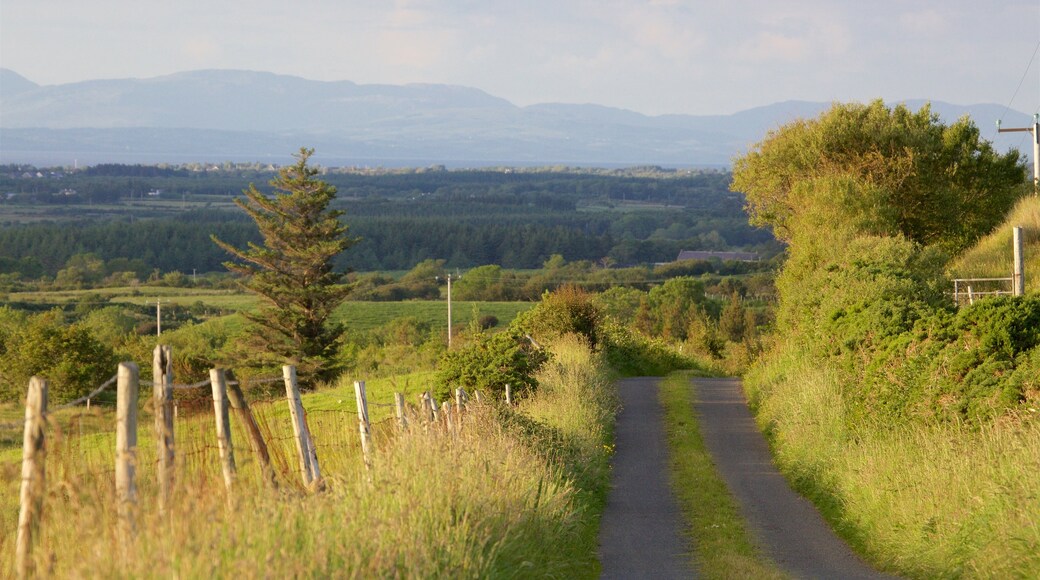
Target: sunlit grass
{"type": "Point", "coordinates": [992, 257]}
{"type": "Point", "coordinates": [488, 501]}
{"type": "Point", "coordinates": [919, 500]}
{"type": "Point", "coordinates": [720, 543]}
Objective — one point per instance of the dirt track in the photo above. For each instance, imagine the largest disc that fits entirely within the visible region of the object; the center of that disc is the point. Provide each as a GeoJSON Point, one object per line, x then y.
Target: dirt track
{"type": "Point", "coordinates": [641, 531]}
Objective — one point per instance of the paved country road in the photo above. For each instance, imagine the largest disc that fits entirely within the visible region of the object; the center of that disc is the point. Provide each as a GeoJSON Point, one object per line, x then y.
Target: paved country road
{"type": "Point", "coordinates": [641, 530]}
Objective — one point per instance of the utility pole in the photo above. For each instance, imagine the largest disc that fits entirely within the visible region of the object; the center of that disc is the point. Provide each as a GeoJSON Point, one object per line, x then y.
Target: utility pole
{"type": "Point", "coordinates": [449, 311]}
{"type": "Point", "coordinates": [158, 318]}
{"type": "Point", "coordinates": [1035, 130]}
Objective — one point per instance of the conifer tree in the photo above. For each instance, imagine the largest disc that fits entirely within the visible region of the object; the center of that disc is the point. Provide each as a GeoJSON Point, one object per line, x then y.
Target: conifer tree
{"type": "Point", "coordinates": [292, 271]}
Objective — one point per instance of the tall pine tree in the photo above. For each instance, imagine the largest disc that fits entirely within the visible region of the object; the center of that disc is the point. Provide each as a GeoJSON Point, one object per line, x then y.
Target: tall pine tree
{"type": "Point", "coordinates": [292, 272]}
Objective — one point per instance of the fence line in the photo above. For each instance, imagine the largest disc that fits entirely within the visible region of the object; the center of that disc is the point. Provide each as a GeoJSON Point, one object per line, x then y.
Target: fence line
{"type": "Point", "coordinates": [226, 394]}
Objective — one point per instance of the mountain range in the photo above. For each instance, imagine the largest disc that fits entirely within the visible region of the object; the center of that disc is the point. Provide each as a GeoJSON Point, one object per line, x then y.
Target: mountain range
{"type": "Point", "coordinates": [232, 115]}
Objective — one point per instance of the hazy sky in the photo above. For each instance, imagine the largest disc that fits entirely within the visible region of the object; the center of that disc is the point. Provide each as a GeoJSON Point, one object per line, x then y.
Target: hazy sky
{"type": "Point", "coordinates": [652, 56]}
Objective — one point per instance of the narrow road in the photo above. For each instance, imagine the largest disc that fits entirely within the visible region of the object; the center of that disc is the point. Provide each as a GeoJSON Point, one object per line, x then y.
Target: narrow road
{"type": "Point", "coordinates": [786, 525]}
{"type": "Point", "coordinates": [641, 530]}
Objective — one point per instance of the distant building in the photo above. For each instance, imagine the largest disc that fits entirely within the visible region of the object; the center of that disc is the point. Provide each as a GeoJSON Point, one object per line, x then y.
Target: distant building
{"type": "Point", "coordinates": [724, 256]}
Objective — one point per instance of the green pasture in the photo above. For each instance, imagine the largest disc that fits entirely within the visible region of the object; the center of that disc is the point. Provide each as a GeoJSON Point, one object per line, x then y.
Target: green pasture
{"type": "Point", "coordinates": [357, 316]}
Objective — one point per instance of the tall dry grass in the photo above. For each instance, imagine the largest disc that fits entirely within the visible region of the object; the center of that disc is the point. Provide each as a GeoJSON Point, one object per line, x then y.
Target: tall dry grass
{"type": "Point", "coordinates": [487, 501]}
{"type": "Point", "coordinates": [993, 256]}
{"type": "Point", "coordinates": [928, 501]}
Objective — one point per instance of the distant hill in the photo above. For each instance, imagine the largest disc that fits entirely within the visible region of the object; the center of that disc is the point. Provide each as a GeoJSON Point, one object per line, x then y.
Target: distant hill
{"type": "Point", "coordinates": [218, 115]}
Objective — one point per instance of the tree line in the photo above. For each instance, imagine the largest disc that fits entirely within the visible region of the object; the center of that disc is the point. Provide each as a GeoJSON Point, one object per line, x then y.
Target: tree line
{"type": "Point", "coordinates": [466, 218]}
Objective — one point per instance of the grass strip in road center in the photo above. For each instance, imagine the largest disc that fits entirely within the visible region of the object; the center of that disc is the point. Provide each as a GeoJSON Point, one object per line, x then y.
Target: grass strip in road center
{"type": "Point", "coordinates": [721, 544]}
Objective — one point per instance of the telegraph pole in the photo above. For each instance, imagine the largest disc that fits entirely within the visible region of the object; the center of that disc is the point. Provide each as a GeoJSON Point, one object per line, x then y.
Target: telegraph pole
{"type": "Point", "coordinates": [449, 311]}
{"type": "Point", "coordinates": [1035, 130]}
{"type": "Point", "coordinates": [158, 317]}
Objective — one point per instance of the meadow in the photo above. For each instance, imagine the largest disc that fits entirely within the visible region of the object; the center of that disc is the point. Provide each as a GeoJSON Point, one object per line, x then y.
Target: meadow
{"type": "Point", "coordinates": [515, 493]}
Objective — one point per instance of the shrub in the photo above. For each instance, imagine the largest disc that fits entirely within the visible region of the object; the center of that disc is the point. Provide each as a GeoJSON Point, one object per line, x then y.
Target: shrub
{"type": "Point", "coordinates": [488, 363]}
{"type": "Point", "coordinates": [67, 355]}
{"type": "Point", "coordinates": [568, 310]}
{"type": "Point", "coordinates": [633, 355]}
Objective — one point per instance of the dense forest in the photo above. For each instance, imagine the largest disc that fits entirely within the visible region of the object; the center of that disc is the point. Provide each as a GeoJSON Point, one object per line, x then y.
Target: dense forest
{"type": "Point", "coordinates": [513, 218]}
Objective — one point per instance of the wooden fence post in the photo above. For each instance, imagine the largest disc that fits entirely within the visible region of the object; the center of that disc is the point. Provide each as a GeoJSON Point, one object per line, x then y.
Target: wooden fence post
{"type": "Point", "coordinates": [509, 395]}
{"type": "Point", "coordinates": [434, 414]}
{"type": "Point", "coordinates": [162, 400]}
{"type": "Point", "coordinates": [256, 439]}
{"type": "Point", "coordinates": [363, 424]}
{"type": "Point", "coordinates": [218, 382]}
{"type": "Point", "coordinates": [304, 444]}
{"type": "Point", "coordinates": [459, 396]}
{"type": "Point", "coordinates": [34, 454]}
{"type": "Point", "coordinates": [446, 410]}
{"type": "Point", "coordinates": [402, 420]}
{"type": "Point", "coordinates": [478, 397]}
{"type": "Point", "coordinates": [1018, 277]}
{"type": "Point", "coordinates": [126, 442]}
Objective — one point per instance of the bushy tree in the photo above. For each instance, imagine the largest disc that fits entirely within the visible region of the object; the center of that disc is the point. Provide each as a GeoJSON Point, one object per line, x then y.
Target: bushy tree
{"type": "Point", "coordinates": [292, 271]}
{"type": "Point", "coordinates": [671, 307]}
{"type": "Point", "coordinates": [488, 363]}
{"type": "Point", "coordinates": [67, 355]}
{"type": "Point", "coordinates": [869, 169]}
{"type": "Point", "coordinates": [568, 310]}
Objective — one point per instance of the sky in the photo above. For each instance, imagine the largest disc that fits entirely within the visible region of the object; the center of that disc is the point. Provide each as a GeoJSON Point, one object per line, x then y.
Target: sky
{"type": "Point", "coordinates": [653, 56]}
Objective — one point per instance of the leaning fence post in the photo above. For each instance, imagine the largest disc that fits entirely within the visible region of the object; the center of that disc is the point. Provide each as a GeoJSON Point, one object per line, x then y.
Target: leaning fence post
{"type": "Point", "coordinates": [402, 420]}
{"type": "Point", "coordinates": [363, 424]}
{"type": "Point", "coordinates": [162, 399]}
{"type": "Point", "coordinates": [34, 454]}
{"type": "Point", "coordinates": [126, 442]}
{"type": "Point", "coordinates": [218, 382]}
{"type": "Point", "coordinates": [304, 444]}
{"type": "Point", "coordinates": [256, 439]}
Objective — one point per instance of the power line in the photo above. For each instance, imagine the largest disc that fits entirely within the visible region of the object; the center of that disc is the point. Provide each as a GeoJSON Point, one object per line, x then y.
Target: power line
{"type": "Point", "coordinates": [1020, 82]}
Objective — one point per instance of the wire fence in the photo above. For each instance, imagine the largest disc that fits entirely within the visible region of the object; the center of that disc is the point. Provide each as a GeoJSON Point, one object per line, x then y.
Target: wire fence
{"type": "Point", "coordinates": [197, 452]}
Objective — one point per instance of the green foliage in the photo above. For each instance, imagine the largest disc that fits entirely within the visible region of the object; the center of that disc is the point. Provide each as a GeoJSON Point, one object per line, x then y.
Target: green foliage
{"type": "Point", "coordinates": [672, 306]}
{"type": "Point", "coordinates": [485, 283]}
{"type": "Point", "coordinates": [488, 363]}
{"type": "Point", "coordinates": [733, 322]}
{"type": "Point", "coordinates": [632, 354]}
{"type": "Point", "coordinates": [111, 325]}
{"type": "Point", "coordinates": [67, 355]}
{"type": "Point", "coordinates": [868, 169]}
{"type": "Point", "coordinates": [516, 218]}
{"type": "Point", "coordinates": [619, 303]}
{"type": "Point", "coordinates": [293, 271]}
{"type": "Point", "coordinates": [568, 310]}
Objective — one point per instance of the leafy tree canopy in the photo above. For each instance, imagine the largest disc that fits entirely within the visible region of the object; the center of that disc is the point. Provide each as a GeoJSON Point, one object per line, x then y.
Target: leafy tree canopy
{"type": "Point", "coordinates": [869, 169]}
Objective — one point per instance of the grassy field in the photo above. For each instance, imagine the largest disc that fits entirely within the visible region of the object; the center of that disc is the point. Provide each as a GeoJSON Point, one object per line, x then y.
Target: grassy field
{"type": "Point", "coordinates": [993, 256]}
{"type": "Point", "coordinates": [924, 501]}
{"type": "Point", "coordinates": [510, 495]}
{"type": "Point", "coordinates": [721, 544]}
{"type": "Point", "coordinates": [357, 316]}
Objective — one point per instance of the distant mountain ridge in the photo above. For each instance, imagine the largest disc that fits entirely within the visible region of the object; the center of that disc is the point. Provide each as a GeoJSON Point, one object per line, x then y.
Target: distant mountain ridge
{"type": "Point", "coordinates": [215, 115]}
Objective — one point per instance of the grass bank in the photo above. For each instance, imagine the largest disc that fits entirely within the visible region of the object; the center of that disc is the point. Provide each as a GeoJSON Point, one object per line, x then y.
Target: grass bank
{"type": "Point", "coordinates": [517, 493]}
{"type": "Point", "coordinates": [924, 501]}
{"type": "Point", "coordinates": [721, 543]}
